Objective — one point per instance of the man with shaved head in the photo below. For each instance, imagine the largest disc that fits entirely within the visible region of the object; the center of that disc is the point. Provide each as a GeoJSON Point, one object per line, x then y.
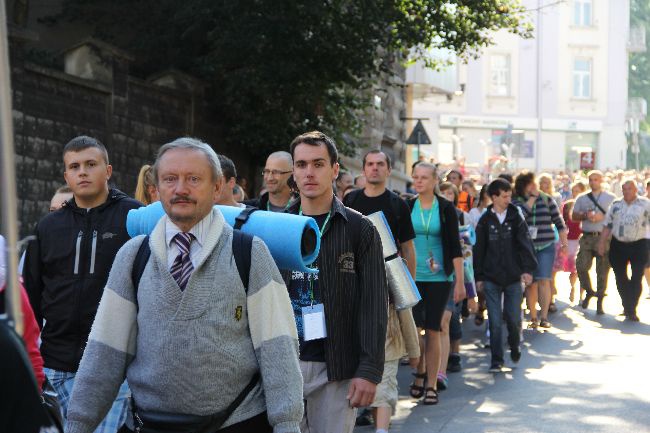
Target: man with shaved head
{"type": "Point", "coordinates": [590, 209]}
{"type": "Point", "coordinates": [277, 172]}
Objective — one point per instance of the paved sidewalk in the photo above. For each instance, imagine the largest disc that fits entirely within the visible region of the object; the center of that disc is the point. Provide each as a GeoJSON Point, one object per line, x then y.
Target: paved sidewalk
{"type": "Point", "coordinates": [588, 373]}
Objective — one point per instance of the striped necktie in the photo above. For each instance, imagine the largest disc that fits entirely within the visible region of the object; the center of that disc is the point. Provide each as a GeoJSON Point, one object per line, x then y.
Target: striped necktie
{"type": "Point", "coordinates": [182, 268]}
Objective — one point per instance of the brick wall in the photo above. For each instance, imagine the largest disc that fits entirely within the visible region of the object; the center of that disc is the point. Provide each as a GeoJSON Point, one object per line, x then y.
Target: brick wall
{"type": "Point", "coordinates": [132, 117]}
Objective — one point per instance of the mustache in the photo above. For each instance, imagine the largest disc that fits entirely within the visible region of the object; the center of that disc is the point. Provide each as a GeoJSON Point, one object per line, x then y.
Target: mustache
{"type": "Point", "coordinates": [182, 198]}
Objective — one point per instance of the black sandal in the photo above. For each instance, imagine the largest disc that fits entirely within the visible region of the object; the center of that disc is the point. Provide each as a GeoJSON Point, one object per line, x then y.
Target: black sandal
{"type": "Point", "coordinates": [418, 391]}
{"type": "Point", "coordinates": [430, 397]}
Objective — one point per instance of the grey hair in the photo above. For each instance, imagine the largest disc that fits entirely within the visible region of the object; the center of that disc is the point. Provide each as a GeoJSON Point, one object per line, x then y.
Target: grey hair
{"type": "Point", "coordinates": [631, 180]}
{"type": "Point", "coordinates": [190, 143]}
{"type": "Point", "coordinates": [281, 154]}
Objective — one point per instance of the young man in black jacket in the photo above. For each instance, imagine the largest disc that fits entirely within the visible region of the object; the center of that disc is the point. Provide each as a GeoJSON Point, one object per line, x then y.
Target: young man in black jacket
{"type": "Point", "coordinates": [67, 266]}
{"type": "Point", "coordinates": [504, 257]}
{"type": "Point", "coordinates": [341, 310]}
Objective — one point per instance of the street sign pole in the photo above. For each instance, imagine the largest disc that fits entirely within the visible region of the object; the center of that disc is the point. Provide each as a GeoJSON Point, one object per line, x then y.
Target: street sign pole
{"type": "Point", "coordinates": [418, 135]}
{"type": "Point", "coordinates": [8, 203]}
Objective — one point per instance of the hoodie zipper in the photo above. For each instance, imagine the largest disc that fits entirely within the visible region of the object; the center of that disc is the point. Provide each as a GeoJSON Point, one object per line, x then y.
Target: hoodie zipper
{"type": "Point", "coordinates": [93, 252]}
{"type": "Point", "coordinates": [78, 252]}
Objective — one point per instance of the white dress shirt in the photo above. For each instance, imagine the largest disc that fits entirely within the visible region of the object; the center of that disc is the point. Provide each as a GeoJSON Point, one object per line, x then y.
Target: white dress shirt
{"type": "Point", "coordinates": [629, 222]}
{"type": "Point", "coordinates": [199, 231]}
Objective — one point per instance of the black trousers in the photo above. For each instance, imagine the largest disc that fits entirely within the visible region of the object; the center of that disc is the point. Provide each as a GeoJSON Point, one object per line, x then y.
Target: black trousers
{"type": "Point", "coordinates": [636, 254]}
{"type": "Point", "coordinates": [257, 424]}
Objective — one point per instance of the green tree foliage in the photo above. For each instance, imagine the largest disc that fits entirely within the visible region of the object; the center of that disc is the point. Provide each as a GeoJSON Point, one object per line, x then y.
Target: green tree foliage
{"type": "Point", "coordinates": [277, 68]}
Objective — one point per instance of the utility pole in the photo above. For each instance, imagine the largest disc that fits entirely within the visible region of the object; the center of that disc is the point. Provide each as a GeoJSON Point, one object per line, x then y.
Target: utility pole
{"type": "Point", "coordinates": [8, 204]}
{"type": "Point", "coordinates": [539, 88]}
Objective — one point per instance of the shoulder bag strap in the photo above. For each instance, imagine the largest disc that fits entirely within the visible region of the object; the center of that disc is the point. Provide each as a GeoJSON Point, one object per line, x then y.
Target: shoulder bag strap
{"type": "Point", "coordinates": [593, 199]}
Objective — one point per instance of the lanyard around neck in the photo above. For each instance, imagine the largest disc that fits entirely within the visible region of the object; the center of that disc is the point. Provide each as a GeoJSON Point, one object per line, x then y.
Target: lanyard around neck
{"type": "Point", "coordinates": [311, 277]}
{"type": "Point", "coordinates": [268, 205]}
{"type": "Point", "coordinates": [428, 223]}
{"type": "Point", "coordinates": [321, 229]}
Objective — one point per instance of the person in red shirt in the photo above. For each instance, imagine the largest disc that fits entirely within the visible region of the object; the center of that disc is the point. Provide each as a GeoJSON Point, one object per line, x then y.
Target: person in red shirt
{"type": "Point", "coordinates": [31, 331]}
{"type": "Point", "coordinates": [573, 237]}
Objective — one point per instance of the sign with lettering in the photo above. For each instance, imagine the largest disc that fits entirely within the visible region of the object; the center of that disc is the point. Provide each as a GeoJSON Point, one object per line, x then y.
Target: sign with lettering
{"type": "Point", "coordinates": [587, 160]}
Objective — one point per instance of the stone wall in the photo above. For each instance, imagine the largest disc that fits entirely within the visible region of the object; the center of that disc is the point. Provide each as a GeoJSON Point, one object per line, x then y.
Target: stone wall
{"type": "Point", "coordinates": [132, 117]}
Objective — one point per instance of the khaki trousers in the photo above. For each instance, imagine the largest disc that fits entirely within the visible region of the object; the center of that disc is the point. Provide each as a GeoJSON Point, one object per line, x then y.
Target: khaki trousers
{"type": "Point", "coordinates": [327, 410]}
{"type": "Point", "coordinates": [588, 251]}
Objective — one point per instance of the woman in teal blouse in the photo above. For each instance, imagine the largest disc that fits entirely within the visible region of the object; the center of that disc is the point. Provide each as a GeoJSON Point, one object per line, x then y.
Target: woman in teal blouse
{"type": "Point", "coordinates": [438, 256]}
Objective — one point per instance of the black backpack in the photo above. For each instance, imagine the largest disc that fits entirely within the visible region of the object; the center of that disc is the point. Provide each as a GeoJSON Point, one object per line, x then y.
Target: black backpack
{"type": "Point", "coordinates": [242, 243]}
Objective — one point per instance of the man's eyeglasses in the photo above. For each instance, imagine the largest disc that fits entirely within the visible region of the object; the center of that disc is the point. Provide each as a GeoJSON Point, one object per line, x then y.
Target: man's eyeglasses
{"type": "Point", "coordinates": [274, 173]}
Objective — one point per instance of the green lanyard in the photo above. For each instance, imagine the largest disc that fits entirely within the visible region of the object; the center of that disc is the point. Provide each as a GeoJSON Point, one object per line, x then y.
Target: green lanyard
{"type": "Point", "coordinates": [321, 230]}
{"type": "Point", "coordinates": [428, 224]}
{"type": "Point", "coordinates": [534, 209]}
{"type": "Point", "coordinates": [268, 205]}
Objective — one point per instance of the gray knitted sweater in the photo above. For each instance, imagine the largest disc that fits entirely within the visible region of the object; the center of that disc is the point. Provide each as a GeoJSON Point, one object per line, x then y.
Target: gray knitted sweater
{"type": "Point", "coordinates": [192, 352]}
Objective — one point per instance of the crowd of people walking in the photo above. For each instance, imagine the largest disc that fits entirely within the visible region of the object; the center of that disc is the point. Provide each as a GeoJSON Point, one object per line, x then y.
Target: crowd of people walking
{"type": "Point", "coordinates": [193, 328]}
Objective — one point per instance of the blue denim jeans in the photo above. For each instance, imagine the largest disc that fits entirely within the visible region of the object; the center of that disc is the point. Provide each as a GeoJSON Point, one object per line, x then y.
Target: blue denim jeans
{"type": "Point", "coordinates": [62, 382]}
{"type": "Point", "coordinates": [512, 297]}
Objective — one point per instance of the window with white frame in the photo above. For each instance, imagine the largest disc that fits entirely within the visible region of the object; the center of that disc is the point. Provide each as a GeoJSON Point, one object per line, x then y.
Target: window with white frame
{"type": "Point", "coordinates": [582, 78]}
{"type": "Point", "coordinates": [582, 13]}
{"type": "Point", "coordinates": [500, 75]}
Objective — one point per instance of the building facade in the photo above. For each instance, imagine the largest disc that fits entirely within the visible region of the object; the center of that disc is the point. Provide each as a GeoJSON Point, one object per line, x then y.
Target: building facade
{"type": "Point", "coordinates": [383, 127]}
{"type": "Point", "coordinates": [545, 102]}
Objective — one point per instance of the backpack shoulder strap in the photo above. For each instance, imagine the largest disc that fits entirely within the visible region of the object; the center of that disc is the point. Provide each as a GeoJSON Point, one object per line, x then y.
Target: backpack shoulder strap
{"type": "Point", "coordinates": [411, 202]}
{"type": "Point", "coordinates": [394, 205]}
{"type": "Point", "coordinates": [139, 263]}
{"type": "Point", "coordinates": [242, 244]}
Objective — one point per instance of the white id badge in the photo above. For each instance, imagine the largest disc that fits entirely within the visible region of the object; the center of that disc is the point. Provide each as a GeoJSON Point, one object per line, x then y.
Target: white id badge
{"type": "Point", "coordinates": [533, 232]}
{"type": "Point", "coordinates": [313, 320]}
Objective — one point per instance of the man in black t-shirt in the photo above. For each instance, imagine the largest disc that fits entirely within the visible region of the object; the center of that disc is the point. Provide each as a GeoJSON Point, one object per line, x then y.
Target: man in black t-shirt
{"type": "Point", "coordinates": [375, 197]}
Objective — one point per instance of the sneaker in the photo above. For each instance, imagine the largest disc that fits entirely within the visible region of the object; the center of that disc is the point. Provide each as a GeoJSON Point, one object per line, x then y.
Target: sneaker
{"type": "Point", "coordinates": [515, 354]}
{"type": "Point", "coordinates": [365, 418]}
{"type": "Point", "coordinates": [442, 382]}
{"type": "Point", "coordinates": [544, 323]}
{"type": "Point", "coordinates": [533, 324]}
{"type": "Point", "coordinates": [453, 363]}
{"type": "Point", "coordinates": [496, 368]}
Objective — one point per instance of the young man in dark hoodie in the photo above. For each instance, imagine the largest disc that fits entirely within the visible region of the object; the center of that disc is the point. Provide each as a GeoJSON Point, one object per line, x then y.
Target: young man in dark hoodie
{"type": "Point", "coordinates": [67, 265]}
{"type": "Point", "coordinates": [504, 257]}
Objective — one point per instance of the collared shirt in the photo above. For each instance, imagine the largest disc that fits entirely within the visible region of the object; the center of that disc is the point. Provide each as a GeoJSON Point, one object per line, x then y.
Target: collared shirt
{"type": "Point", "coordinates": [629, 222]}
{"type": "Point", "coordinates": [501, 215]}
{"type": "Point", "coordinates": [199, 231]}
{"type": "Point", "coordinates": [354, 290]}
{"type": "Point", "coordinates": [584, 204]}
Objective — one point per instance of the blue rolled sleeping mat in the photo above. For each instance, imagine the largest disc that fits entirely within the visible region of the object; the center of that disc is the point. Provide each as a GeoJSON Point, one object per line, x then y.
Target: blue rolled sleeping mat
{"type": "Point", "coordinates": [293, 240]}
